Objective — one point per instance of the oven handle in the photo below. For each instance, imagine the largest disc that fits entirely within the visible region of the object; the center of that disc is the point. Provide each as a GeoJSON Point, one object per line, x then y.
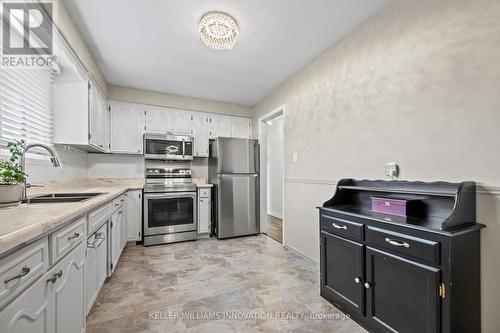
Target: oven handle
{"type": "Point", "coordinates": [169, 195]}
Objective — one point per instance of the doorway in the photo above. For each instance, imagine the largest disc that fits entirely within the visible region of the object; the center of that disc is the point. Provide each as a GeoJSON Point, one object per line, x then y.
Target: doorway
{"type": "Point", "coordinates": [271, 137]}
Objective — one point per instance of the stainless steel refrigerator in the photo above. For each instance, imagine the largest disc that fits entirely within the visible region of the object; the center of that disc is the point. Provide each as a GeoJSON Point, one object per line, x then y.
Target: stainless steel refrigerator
{"type": "Point", "coordinates": [234, 170]}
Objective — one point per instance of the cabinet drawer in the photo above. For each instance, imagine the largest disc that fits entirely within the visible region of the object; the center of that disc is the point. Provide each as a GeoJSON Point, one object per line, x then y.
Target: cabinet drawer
{"type": "Point", "coordinates": [64, 240]}
{"type": "Point", "coordinates": [342, 227]}
{"type": "Point", "coordinates": [97, 217]}
{"type": "Point", "coordinates": [204, 193]}
{"type": "Point", "coordinates": [416, 247]}
{"type": "Point", "coordinates": [117, 203]}
{"type": "Point", "coordinates": [21, 268]}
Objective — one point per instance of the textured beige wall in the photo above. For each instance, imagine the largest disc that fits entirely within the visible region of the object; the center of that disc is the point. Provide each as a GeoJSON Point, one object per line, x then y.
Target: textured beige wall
{"type": "Point", "coordinates": [126, 94]}
{"type": "Point", "coordinates": [419, 84]}
{"type": "Point", "coordinates": [66, 26]}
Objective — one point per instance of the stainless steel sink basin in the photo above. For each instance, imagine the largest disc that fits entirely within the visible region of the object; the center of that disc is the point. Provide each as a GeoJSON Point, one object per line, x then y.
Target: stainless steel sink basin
{"type": "Point", "coordinates": [60, 197]}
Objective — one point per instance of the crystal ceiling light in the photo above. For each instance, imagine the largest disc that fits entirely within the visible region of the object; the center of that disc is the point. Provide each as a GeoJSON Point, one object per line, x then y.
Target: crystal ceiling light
{"type": "Point", "coordinates": [218, 30]}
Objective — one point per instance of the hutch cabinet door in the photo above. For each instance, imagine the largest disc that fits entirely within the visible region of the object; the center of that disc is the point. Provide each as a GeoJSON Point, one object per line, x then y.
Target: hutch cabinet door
{"type": "Point", "coordinates": [342, 270]}
{"type": "Point", "coordinates": [402, 295]}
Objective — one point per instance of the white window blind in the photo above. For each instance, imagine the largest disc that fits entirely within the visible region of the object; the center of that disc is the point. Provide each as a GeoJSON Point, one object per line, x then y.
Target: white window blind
{"type": "Point", "coordinates": [26, 104]}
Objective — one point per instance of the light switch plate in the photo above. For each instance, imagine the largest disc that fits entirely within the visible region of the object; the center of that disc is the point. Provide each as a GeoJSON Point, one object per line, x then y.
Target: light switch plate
{"type": "Point", "coordinates": [295, 157]}
{"type": "Point", "coordinates": [391, 169]}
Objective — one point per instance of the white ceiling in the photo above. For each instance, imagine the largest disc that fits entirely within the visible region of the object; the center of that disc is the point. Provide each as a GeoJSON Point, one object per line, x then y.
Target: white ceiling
{"type": "Point", "coordinates": [154, 44]}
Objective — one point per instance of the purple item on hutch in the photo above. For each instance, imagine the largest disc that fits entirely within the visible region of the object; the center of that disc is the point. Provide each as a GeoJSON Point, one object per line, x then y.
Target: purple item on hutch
{"type": "Point", "coordinates": [389, 206]}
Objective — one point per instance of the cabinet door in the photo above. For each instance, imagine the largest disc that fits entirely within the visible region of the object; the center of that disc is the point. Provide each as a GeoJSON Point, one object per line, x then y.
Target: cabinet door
{"type": "Point", "coordinates": [115, 234]}
{"type": "Point", "coordinates": [342, 270]}
{"type": "Point", "coordinates": [127, 128]}
{"type": "Point", "coordinates": [220, 126]}
{"type": "Point", "coordinates": [134, 215]}
{"type": "Point", "coordinates": [102, 256]}
{"type": "Point", "coordinates": [29, 312]}
{"type": "Point", "coordinates": [104, 122]}
{"type": "Point", "coordinates": [241, 127]}
{"type": "Point", "coordinates": [203, 215]}
{"type": "Point", "coordinates": [95, 118]}
{"type": "Point", "coordinates": [91, 286]}
{"type": "Point", "coordinates": [180, 122]}
{"type": "Point", "coordinates": [200, 127]}
{"type": "Point", "coordinates": [157, 119]}
{"type": "Point", "coordinates": [68, 292]}
{"type": "Point", "coordinates": [123, 225]}
{"type": "Point", "coordinates": [402, 295]}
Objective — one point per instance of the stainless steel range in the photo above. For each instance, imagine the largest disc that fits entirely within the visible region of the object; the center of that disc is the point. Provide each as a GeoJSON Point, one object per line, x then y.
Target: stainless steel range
{"type": "Point", "coordinates": [169, 206]}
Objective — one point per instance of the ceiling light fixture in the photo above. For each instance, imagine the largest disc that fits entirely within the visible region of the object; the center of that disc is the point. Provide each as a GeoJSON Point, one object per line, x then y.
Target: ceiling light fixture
{"type": "Point", "coordinates": [218, 30]}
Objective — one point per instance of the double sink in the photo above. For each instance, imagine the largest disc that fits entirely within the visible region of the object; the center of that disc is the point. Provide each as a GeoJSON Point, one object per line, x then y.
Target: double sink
{"type": "Point", "coordinates": [60, 197]}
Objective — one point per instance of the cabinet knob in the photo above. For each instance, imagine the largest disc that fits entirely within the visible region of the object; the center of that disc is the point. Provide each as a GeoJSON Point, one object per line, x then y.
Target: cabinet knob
{"type": "Point", "coordinates": [367, 285]}
{"type": "Point", "coordinates": [357, 280]}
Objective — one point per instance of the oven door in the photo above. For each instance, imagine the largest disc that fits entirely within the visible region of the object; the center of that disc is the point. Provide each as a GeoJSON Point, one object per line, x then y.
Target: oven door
{"type": "Point", "coordinates": [155, 148]}
{"type": "Point", "coordinates": [169, 212]}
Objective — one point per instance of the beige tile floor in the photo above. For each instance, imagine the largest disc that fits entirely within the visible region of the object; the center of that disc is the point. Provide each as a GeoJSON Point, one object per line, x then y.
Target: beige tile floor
{"type": "Point", "coordinates": [251, 276]}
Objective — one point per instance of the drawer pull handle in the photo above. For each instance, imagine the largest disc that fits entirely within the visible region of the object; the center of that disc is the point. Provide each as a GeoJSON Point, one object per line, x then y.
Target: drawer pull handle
{"type": "Point", "coordinates": [357, 280]}
{"type": "Point", "coordinates": [55, 276]}
{"type": "Point", "coordinates": [396, 243]}
{"type": "Point", "coordinates": [337, 226]}
{"type": "Point", "coordinates": [24, 271]}
{"type": "Point", "coordinates": [75, 235]}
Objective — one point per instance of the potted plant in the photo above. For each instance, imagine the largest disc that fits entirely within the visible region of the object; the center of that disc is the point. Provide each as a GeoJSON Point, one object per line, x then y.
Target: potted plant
{"type": "Point", "coordinates": [11, 175]}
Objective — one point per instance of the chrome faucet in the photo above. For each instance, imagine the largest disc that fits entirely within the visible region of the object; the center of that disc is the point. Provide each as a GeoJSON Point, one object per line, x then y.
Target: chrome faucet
{"type": "Point", "coordinates": [53, 158]}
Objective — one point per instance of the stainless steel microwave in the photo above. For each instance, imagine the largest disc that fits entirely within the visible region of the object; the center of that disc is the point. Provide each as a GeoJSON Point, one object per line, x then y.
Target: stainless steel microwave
{"type": "Point", "coordinates": [168, 147]}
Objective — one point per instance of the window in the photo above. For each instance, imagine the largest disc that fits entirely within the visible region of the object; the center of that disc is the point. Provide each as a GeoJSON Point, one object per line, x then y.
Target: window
{"type": "Point", "coordinates": [25, 105]}
{"type": "Point", "coordinates": [25, 101]}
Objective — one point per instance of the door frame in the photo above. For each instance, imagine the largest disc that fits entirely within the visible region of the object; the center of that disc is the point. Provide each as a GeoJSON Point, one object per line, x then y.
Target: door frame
{"type": "Point", "coordinates": [262, 133]}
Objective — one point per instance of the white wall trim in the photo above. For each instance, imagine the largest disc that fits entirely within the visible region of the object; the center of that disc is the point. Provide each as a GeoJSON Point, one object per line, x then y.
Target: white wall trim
{"type": "Point", "coordinates": [300, 253]}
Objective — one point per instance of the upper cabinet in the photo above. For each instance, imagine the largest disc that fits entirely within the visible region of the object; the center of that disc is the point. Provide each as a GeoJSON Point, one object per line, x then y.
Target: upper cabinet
{"type": "Point", "coordinates": [99, 118]}
{"type": "Point", "coordinates": [220, 126]}
{"type": "Point", "coordinates": [80, 116]}
{"type": "Point", "coordinates": [241, 127]}
{"type": "Point", "coordinates": [127, 127]}
{"type": "Point", "coordinates": [200, 129]}
{"type": "Point", "coordinates": [180, 122]}
{"type": "Point", "coordinates": [157, 119]}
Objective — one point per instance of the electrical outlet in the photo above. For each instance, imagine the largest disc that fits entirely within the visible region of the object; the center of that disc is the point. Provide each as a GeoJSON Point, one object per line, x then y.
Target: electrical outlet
{"type": "Point", "coordinates": [391, 169]}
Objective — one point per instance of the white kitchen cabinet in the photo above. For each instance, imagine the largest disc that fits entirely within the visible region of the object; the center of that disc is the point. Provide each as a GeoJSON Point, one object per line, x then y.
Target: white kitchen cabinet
{"type": "Point", "coordinates": [124, 233]}
{"type": "Point", "coordinates": [114, 240]}
{"type": "Point", "coordinates": [157, 119]}
{"type": "Point", "coordinates": [79, 115]}
{"type": "Point", "coordinates": [134, 215]}
{"type": "Point", "coordinates": [67, 297]}
{"type": "Point", "coordinates": [127, 127]}
{"type": "Point", "coordinates": [30, 311]}
{"type": "Point", "coordinates": [200, 127]}
{"type": "Point", "coordinates": [95, 265]}
{"type": "Point", "coordinates": [180, 122]}
{"type": "Point", "coordinates": [204, 210]}
{"type": "Point", "coordinates": [98, 113]}
{"type": "Point", "coordinates": [54, 303]}
{"type": "Point", "coordinates": [241, 127]}
{"type": "Point", "coordinates": [220, 126]}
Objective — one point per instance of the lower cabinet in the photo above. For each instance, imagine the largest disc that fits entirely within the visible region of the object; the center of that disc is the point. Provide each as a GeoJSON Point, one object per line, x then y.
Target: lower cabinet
{"type": "Point", "coordinates": [204, 210]}
{"type": "Point", "coordinates": [134, 215]}
{"type": "Point", "coordinates": [95, 265]}
{"type": "Point", "coordinates": [402, 295]}
{"type": "Point", "coordinates": [54, 303]}
{"type": "Point", "coordinates": [118, 236]}
{"type": "Point", "coordinates": [114, 240]}
{"type": "Point", "coordinates": [345, 283]}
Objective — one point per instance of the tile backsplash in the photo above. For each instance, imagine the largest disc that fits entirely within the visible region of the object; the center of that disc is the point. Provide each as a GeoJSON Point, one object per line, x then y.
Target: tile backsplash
{"type": "Point", "coordinates": [78, 164]}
